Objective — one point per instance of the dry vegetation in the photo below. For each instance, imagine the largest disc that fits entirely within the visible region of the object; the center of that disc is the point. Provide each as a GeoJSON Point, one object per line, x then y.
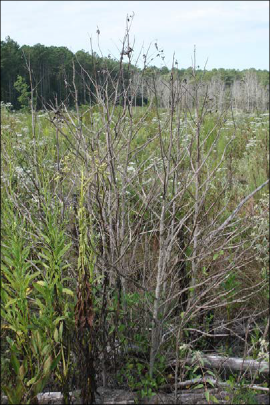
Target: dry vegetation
{"type": "Point", "coordinates": [134, 240]}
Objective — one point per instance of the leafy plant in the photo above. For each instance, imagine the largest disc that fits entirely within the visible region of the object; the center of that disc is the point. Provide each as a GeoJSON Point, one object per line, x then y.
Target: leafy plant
{"type": "Point", "coordinates": [239, 394]}
{"type": "Point", "coordinates": [30, 375]}
{"type": "Point", "coordinates": [38, 337]}
{"type": "Point", "coordinates": [22, 87]}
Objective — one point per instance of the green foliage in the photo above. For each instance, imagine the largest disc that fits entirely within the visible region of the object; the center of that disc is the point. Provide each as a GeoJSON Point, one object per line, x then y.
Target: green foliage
{"type": "Point", "coordinates": [136, 374]}
{"type": "Point", "coordinates": [22, 88]}
{"type": "Point", "coordinates": [239, 393]}
{"type": "Point", "coordinates": [87, 257]}
{"type": "Point", "coordinates": [45, 254]}
{"type": "Point", "coordinates": [34, 311]}
{"type": "Point", "coordinates": [30, 375]}
{"type": "Point", "coordinates": [259, 345]}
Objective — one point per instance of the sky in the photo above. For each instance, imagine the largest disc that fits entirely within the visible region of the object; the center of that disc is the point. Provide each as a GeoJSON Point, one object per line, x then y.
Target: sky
{"type": "Point", "coordinates": [227, 34]}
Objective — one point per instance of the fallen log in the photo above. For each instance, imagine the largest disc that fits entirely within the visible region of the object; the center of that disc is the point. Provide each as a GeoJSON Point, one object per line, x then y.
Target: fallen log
{"type": "Point", "coordinates": [213, 382]}
{"type": "Point", "coordinates": [229, 363]}
{"type": "Point", "coordinates": [50, 398]}
{"type": "Point", "coordinates": [118, 397]}
{"type": "Point", "coordinates": [110, 396]}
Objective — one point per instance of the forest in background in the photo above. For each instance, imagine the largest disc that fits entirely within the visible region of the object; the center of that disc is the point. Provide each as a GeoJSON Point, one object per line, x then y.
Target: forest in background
{"type": "Point", "coordinates": [52, 76]}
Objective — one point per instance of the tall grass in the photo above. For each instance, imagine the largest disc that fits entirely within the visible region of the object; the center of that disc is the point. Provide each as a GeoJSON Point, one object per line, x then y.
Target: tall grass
{"type": "Point", "coordinates": [63, 276]}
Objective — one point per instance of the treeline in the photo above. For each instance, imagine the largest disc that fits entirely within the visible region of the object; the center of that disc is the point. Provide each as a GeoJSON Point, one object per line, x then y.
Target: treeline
{"type": "Point", "coordinates": [55, 70]}
{"type": "Point", "coordinates": [52, 71]}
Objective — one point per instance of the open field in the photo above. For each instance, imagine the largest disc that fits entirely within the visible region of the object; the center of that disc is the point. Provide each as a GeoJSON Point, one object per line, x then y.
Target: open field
{"type": "Point", "coordinates": [133, 238]}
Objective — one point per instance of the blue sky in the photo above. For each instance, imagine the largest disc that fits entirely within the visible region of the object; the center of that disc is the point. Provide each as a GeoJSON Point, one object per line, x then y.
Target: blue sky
{"type": "Point", "coordinates": [230, 34]}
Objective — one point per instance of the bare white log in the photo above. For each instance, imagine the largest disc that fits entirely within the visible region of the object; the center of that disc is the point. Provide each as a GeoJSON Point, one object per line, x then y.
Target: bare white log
{"type": "Point", "coordinates": [216, 382]}
{"type": "Point", "coordinates": [231, 363]}
{"type": "Point", "coordinates": [121, 396]}
{"type": "Point", "coordinates": [49, 397]}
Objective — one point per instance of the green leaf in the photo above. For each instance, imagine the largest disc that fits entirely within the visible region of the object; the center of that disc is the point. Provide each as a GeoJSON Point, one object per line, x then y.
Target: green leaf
{"type": "Point", "coordinates": [11, 302]}
{"type": "Point", "coordinates": [32, 381]}
{"type": "Point", "coordinates": [40, 304]}
{"type": "Point", "coordinates": [58, 319]}
{"type": "Point", "coordinates": [55, 335]}
{"type": "Point", "coordinates": [215, 256]}
{"type": "Point", "coordinates": [231, 381]}
{"type": "Point", "coordinates": [67, 291]}
{"type": "Point", "coordinates": [45, 237]}
{"type": "Point", "coordinates": [121, 327]}
{"type": "Point", "coordinates": [41, 282]}
{"type": "Point", "coordinates": [36, 340]}
{"type": "Point", "coordinates": [61, 330]}
{"type": "Point", "coordinates": [66, 266]}
{"type": "Point", "coordinates": [211, 373]}
{"type": "Point", "coordinates": [15, 363]}
{"type": "Point", "coordinates": [10, 277]}
{"type": "Point", "coordinates": [64, 250]}
{"type": "Point", "coordinates": [46, 349]}
{"type": "Point", "coordinates": [40, 384]}
{"type": "Point", "coordinates": [47, 365]}
{"type": "Point", "coordinates": [47, 257]}
{"type": "Point", "coordinates": [211, 382]}
{"type": "Point", "coordinates": [55, 361]}
{"type": "Point", "coordinates": [214, 399]}
{"type": "Point", "coordinates": [21, 372]}
{"type": "Point", "coordinates": [207, 396]}
{"type": "Point", "coordinates": [42, 289]}
{"type": "Point", "coordinates": [10, 341]}
{"type": "Point", "coordinates": [32, 276]}
{"type": "Point", "coordinates": [198, 386]}
{"type": "Point", "coordinates": [14, 396]}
